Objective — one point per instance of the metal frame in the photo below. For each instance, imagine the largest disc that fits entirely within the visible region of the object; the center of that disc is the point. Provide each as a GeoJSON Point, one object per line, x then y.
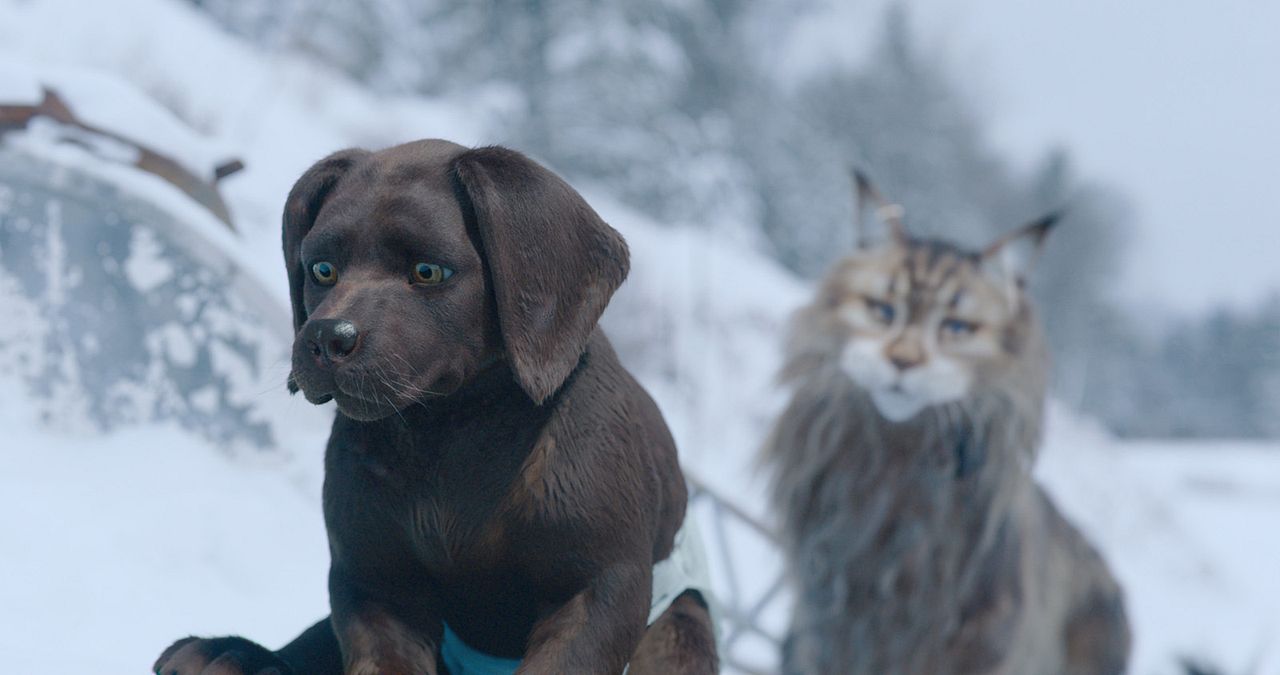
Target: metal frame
{"type": "Point", "coordinates": [744, 618]}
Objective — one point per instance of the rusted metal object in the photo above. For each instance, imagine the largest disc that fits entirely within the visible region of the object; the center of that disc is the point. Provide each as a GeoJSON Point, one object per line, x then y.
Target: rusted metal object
{"type": "Point", "coordinates": [203, 190]}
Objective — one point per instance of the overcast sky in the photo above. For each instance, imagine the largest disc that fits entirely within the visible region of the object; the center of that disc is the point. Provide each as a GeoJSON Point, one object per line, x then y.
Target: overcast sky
{"type": "Point", "coordinates": [1177, 104]}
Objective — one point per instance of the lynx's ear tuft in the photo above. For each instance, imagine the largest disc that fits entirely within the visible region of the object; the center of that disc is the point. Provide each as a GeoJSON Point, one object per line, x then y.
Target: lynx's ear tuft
{"type": "Point", "coordinates": [1013, 256]}
{"type": "Point", "coordinates": [883, 223]}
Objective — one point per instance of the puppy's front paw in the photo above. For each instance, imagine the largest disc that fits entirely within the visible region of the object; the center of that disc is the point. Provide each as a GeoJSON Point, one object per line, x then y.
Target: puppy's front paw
{"type": "Point", "coordinates": [219, 656]}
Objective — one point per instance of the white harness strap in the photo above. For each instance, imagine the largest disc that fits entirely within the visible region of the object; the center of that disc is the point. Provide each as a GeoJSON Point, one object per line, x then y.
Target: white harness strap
{"type": "Point", "coordinates": [685, 569]}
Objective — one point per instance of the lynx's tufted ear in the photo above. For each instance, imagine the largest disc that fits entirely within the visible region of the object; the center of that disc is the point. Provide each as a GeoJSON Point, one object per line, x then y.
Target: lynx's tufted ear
{"type": "Point", "coordinates": [883, 223]}
{"type": "Point", "coordinates": [1012, 256]}
{"type": "Point", "coordinates": [300, 210]}
{"type": "Point", "coordinates": [553, 262]}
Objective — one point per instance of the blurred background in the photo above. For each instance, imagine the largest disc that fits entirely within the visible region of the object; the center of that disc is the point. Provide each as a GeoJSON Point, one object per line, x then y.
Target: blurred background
{"type": "Point", "coordinates": [157, 479]}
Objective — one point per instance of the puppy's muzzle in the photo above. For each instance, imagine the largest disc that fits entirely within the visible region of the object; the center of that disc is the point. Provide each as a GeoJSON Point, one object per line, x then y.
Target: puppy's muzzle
{"type": "Point", "coordinates": [332, 340]}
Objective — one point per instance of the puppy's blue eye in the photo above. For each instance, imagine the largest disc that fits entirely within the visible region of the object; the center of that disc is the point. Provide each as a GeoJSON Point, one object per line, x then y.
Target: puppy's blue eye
{"type": "Point", "coordinates": [881, 311]}
{"type": "Point", "coordinates": [958, 327]}
{"type": "Point", "coordinates": [324, 273]}
{"type": "Point", "coordinates": [430, 273]}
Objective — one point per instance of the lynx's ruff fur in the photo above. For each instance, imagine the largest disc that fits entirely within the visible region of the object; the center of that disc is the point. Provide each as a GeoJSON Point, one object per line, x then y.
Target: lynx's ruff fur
{"type": "Point", "coordinates": [923, 546]}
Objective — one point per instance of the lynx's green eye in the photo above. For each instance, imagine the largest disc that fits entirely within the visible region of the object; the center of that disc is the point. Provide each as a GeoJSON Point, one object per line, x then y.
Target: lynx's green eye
{"type": "Point", "coordinates": [430, 273]}
{"type": "Point", "coordinates": [324, 273]}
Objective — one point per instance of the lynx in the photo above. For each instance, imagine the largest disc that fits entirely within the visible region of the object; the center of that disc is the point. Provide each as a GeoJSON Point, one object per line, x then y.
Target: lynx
{"type": "Point", "coordinates": [916, 539]}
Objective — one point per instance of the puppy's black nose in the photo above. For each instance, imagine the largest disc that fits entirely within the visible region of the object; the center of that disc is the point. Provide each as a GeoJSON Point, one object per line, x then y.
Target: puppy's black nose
{"type": "Point", "coordinates": [333, 338]}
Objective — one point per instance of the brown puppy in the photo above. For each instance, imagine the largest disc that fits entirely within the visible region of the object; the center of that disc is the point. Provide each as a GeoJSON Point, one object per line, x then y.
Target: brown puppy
{"type": "Point", "coordinates": [495, 482]}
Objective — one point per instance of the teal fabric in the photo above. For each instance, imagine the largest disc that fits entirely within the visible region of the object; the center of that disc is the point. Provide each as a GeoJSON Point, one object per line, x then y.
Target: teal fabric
{"type": "Point", "coordinates": [461, 659]}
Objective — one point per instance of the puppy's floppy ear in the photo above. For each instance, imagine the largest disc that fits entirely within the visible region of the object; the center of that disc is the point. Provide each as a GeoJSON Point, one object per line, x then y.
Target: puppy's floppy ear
{"type": "Point", "coordinates": [554, 263]}
{"type": "Point", "coordinates": [300, 211]}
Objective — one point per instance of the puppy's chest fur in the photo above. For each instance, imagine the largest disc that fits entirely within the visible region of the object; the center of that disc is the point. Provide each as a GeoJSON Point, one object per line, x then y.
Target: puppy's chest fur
{"type": "Point", "coordinates": [426, 495]}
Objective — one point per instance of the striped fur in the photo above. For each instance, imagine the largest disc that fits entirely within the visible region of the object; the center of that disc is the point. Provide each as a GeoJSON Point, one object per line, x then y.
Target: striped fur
{"type": "Point", "coordinates": [916, 539]}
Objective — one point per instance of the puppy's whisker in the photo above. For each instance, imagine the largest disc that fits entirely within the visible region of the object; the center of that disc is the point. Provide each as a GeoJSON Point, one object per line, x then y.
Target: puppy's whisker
{"type": "Point", "coordinates": [407, 379]}
{"type": "Point", "coordinates": [268, 389]}
{"type": "Point", "coordinates": [385, 380]}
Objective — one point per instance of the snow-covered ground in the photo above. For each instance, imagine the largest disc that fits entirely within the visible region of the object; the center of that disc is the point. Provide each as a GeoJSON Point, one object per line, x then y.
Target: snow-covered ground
{"type": "Point", "coordinates": [115, 545]}
{"type": "Point", "coordinates": [1190, 529]}
{"type": "Point", "coordinates": [111, 545]}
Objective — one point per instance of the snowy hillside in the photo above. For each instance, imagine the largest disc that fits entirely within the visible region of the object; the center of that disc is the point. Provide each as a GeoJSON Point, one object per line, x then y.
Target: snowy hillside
{"type": "Point", "coordinates": [114, 543]}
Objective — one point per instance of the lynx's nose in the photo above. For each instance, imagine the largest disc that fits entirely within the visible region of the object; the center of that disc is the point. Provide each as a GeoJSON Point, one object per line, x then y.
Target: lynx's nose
{"type": "Point", "coordinates": [905, 354]}
{"type": "Point", "coordinates": [333, 339]}
{"type": "Point", "coordinates": [903, 364]}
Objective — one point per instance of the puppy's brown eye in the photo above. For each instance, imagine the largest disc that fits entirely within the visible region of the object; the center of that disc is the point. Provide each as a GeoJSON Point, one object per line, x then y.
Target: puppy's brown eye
{"type": "Point", "coordinates": [324, 273]}
{"type": "Point", "coordinates": [430, 273]}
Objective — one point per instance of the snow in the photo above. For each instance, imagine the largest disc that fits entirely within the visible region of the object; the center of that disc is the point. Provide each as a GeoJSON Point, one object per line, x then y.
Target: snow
{"type": "Point", "coordinates": [112, 545]}
{"type": "Point", "coordinates": [1190, 529]}
{"type": "Point", "coordinates": [145, 268]}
